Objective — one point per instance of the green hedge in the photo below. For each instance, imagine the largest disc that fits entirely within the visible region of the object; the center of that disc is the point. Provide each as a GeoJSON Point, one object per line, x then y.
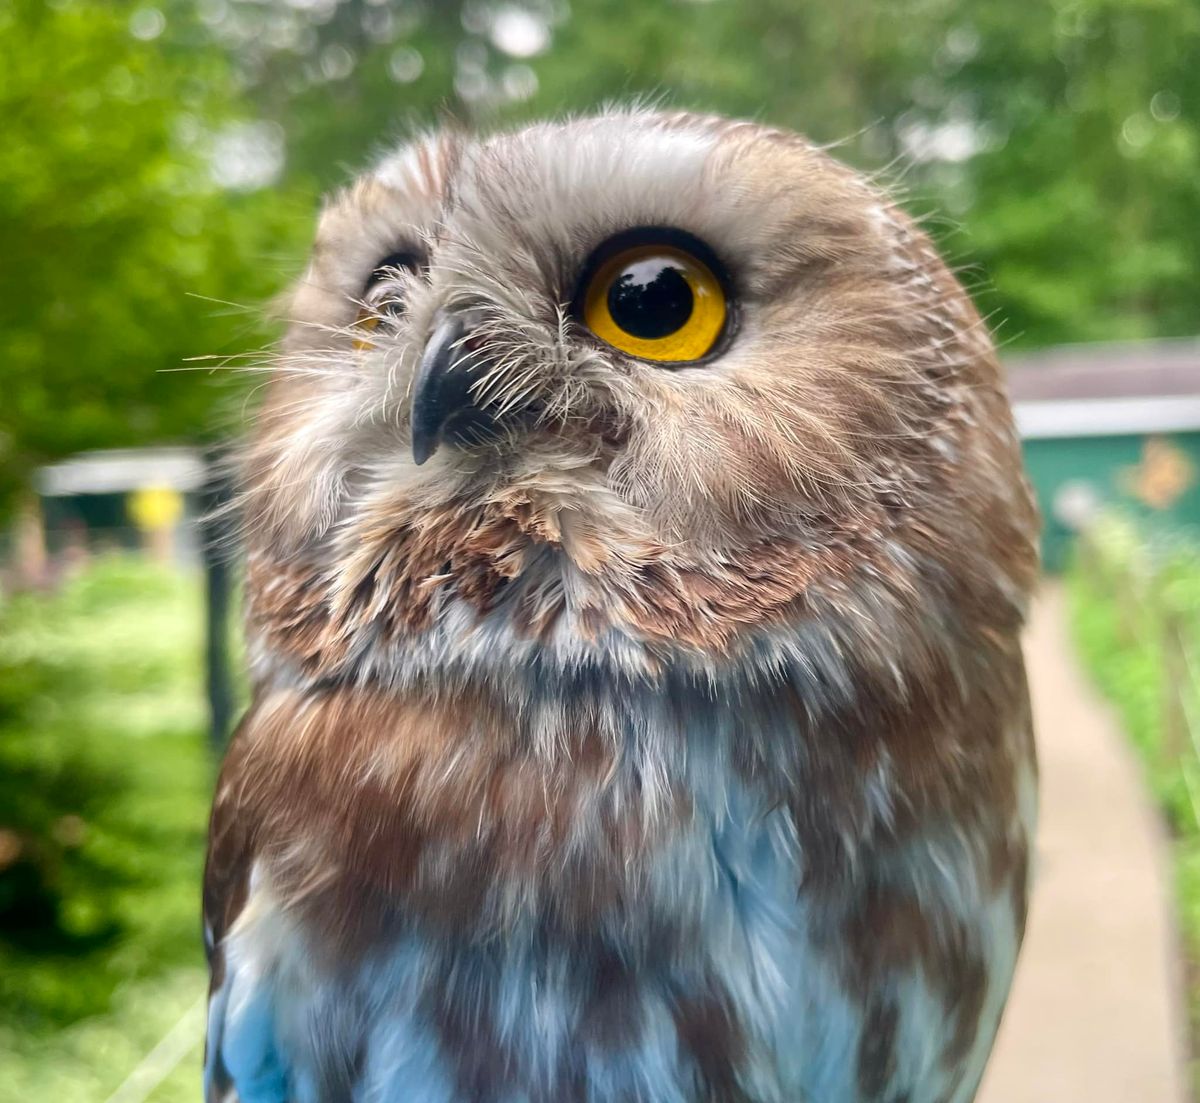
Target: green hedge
{"type": "Point", "coordinates": [1134, 596]}
{"type": "Point", "coordinates": [105, 779]}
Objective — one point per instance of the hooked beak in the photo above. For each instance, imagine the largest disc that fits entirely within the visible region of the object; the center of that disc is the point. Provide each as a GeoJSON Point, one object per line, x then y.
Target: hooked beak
{"type": "Point", "coordinates": [443, 405]}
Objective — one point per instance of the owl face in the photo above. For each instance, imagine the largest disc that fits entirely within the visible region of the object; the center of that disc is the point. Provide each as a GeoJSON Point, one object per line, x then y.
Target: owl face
{"type": "Point", "coordinates": [638, 383]}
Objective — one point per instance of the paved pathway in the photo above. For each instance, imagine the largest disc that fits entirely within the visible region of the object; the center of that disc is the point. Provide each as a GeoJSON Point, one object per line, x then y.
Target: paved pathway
{"type": "Point", "coordinates": [1095, 1015]}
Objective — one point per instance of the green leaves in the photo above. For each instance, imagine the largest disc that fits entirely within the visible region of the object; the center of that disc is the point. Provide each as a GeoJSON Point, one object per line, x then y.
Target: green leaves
{"type": "Point", "coordinates": [1063, 138]}
{"type": "Point", "coordinates": [113, 226]}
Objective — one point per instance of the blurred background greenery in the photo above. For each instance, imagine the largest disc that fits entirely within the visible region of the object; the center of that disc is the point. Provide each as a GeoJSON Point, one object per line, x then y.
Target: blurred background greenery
{"type": "Point", "coordinates": [159, 156]}
{"type": "Point", "coordinates": [160, 165]}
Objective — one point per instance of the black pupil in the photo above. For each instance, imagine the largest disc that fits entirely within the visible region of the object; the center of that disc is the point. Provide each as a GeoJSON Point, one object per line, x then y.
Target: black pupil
{"type": "Point", "coordinates": [650, 299]}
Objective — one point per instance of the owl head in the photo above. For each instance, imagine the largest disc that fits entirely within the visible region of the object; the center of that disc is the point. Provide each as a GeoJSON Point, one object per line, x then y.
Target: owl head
{"type": "Point", "coordinates": [637, 390]}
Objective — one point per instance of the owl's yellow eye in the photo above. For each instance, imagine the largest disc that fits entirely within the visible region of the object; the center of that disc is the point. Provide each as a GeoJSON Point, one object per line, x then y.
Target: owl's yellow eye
{"type": "Point", "coordinates": [658, 301]}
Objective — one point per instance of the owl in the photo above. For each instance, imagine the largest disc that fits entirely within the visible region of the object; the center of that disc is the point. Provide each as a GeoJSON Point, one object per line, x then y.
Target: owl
{"type": "Point", "coordinates": [637, 548]}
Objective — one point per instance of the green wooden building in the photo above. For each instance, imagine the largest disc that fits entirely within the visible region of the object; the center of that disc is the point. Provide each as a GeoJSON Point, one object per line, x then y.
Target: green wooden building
{"type": "Point", "coordinates": [1106, 424]}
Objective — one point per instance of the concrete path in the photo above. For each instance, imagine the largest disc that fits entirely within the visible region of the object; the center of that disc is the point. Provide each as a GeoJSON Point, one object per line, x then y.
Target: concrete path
{"type": "Point", "coordinates": [1095, 1015]}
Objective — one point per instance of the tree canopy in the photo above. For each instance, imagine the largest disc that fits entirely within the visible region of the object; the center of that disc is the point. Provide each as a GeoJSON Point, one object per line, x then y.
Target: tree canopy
{"type": "Point", "coordinates": [114, 228]}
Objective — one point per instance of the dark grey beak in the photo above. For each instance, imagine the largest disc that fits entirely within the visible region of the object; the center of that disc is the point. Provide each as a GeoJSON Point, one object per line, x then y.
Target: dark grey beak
{"type": "Point", "coordinates": [443, 405]}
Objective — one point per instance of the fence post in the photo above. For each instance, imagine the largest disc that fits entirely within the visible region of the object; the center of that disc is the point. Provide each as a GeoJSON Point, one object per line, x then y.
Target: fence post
{"type": "Point", "coordinates": [216, 536]}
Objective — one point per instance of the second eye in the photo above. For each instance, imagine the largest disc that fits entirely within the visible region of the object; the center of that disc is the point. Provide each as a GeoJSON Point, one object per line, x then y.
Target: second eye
{"type": "Point", "coordinates": [382, 298]}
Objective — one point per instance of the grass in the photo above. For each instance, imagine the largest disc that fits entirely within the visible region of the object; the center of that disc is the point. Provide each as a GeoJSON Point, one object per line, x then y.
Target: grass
{"type": "Point", "coordinates": [105, 778]}
{"type": "Point", "coordinates": [1135, 611]}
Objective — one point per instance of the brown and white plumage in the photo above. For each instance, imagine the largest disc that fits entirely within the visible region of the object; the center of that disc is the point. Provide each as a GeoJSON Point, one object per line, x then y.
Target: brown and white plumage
{"type": "Point", "coordinates": [664, 736]}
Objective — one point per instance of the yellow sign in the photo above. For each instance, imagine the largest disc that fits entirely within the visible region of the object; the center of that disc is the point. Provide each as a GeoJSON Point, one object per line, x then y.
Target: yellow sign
{"type": "Point", "coordinates": [155, 508]}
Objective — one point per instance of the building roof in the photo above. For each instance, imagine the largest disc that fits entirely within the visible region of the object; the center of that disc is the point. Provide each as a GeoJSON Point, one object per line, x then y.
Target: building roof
{"type": "Point", "coordinates": [122, 470]}
{"type": "Point", "coordinates": [1133, 369]}
{"type": "Point", "coordinates": [1114, 389]}
{"type": "Point", "coordinates": [1107, 417]}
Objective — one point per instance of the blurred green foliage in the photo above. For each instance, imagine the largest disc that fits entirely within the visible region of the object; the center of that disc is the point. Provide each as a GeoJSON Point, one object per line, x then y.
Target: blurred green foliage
{"type": "Point", "coordinates": [104, 787]}
{"type": "Point", "coordinates": [162, 149]}
{"type": "Point", "coordinates": [110, 221]}
{"type": "Point", "coordinates": [1061, 138]}
{"type": "Point", "coordinates": [1134, 595]}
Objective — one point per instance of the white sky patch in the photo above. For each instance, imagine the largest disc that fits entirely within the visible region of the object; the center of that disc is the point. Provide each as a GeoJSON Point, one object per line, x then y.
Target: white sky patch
{"type": "Point", "coordinates": [247, 155]}
{"type": "Point", "coordinates": [337, 62]}
{"type": "Point", "coordinates": [405, 65]}
{"type": "Point", "coordinates": [1136, 131]}
{"type": "Point", "coordinates": [519, 82]}
{"type": "Point", "coordinates": [471, 84]}
{"type": "Point", "coordinates": [953, 140]}
{"type": "Point", "coordinates": [147, 23]}
{"type": "Point", "coordinates": [1165, 106]}
{"type": "Point", "coordinates": [518, 32]}
{"type": "Point", "coordinates": [321, 9]}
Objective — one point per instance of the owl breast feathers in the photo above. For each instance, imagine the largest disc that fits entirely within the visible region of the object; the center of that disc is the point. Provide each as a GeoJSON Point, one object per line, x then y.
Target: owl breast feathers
{"type": "Point", "coordinates": [637, 553]}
